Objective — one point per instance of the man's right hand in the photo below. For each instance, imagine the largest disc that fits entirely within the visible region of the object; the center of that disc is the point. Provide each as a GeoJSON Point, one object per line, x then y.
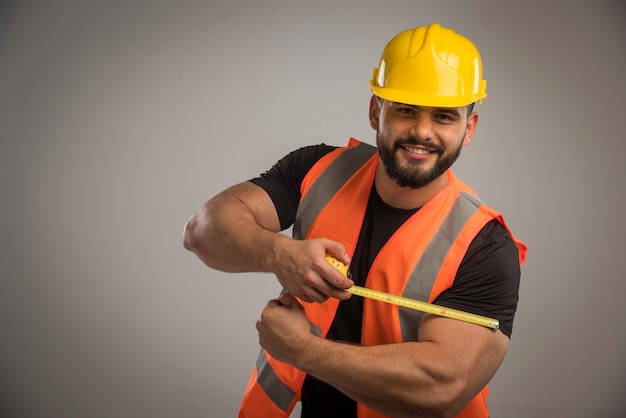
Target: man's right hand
{"type": "Point", "coordinates": [303, 270]}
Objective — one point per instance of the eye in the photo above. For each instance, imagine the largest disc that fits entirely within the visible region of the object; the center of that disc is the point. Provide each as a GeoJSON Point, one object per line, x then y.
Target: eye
{"type": "Point", "coordinates": [406, 110]}
{"type": "Point", "coordinates": [445, 117]}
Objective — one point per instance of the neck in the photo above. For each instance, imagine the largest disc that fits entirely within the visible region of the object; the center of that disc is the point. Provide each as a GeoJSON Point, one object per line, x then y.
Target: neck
{"type": "Point", "coordinates": [406, 197]}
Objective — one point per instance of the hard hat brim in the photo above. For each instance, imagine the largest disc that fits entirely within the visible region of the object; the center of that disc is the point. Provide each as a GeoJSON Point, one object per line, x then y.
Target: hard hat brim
{"type": "Point", "coordinates": [429, 100]}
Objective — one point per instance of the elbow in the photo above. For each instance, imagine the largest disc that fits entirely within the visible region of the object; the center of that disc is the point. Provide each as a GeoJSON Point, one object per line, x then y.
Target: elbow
{"type": "Point", "coordinates": [190, 235]}
{"type": "Point", "coordinates": [445, 403]}
{"type": "Point", "coordinates": [446, 411]}
{"type": "Point", "coordinates": [451, 405]}
{"type": "Point", "coordinates": [433, 411]}
{"type": "Point", "coordinates": [198, 237]}
{"type": "Point", "coordinates": [439, 410]}
{"type": "Point", "coordinates": [188, 241]}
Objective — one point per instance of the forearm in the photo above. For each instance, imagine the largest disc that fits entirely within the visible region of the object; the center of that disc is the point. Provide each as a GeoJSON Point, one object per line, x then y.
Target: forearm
{"type": "Point", "coordinates": [397, 379]}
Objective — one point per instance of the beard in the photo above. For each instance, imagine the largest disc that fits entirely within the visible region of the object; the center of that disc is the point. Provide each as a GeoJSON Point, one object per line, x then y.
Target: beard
{"type": "Point", "coordinates": [414, 175]}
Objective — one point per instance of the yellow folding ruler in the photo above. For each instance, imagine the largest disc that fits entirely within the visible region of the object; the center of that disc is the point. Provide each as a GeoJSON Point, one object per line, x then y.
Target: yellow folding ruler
{"type": "Point", "coordinates": [414, 304]}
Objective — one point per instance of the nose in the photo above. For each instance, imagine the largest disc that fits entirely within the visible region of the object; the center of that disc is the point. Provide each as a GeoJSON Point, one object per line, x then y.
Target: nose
{"type": "Point", "coordinates": [423, 127]}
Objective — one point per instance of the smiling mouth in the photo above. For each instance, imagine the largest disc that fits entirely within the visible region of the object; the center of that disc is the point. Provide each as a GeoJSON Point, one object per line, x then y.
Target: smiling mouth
{"type": "Point", "coordinates": [418, 151]}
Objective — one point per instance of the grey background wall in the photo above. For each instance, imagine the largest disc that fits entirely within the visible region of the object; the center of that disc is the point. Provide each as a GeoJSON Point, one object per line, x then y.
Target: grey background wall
{"type": "Point", "coordinates": [119, 118]}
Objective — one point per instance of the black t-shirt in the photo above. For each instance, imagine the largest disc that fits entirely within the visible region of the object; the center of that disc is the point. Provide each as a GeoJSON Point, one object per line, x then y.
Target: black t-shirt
{"type": "Point", "coordinates": [486, 283]}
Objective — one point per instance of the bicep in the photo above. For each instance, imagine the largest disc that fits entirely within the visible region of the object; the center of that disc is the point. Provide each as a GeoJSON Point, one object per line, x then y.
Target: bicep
{"type": "Point", "coordinates": [469, 354]}
{"type": "Point", "coordinates": [253, 199]}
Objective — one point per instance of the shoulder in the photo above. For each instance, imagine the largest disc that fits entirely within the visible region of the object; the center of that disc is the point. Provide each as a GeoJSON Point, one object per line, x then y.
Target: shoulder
{"type": "Point", "coordinates": [312, 152]}
{"type": "Point", "coordinates": [488, 279]}
{"type": "Point", "coordinates": [282, 181]}
{"type": "Point", "coordinates": [493, 251]}
{"type": "Point", "coordinates": [492, 231]}
{"type": "Point", "coordinates": [298, 162]}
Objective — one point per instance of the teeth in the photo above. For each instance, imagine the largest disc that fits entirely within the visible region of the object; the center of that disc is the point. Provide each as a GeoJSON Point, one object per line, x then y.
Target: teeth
{"type": "Point", "coordinates": [419, 151]}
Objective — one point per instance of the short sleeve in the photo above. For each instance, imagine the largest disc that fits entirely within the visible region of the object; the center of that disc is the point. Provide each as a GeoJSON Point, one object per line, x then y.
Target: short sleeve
{"type": "Point", "coordinates": [282, 181]}
{"type": "Point", "coordinates": [487, 282]}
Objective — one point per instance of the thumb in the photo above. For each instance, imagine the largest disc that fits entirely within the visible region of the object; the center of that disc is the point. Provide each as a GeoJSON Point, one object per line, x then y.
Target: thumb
{"type": "Point", "coordinates": [289, 300]}
{"type": "Point", "coordinates": [337, 250]}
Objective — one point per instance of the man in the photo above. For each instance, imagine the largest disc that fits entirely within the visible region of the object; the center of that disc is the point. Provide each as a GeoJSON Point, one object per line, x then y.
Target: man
{"type": "Point", "coordinates": [405, 224]}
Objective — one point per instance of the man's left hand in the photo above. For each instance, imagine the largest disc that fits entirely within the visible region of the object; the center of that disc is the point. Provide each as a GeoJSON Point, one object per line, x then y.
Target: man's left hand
{"type": "Point", "coordinates": [283, 328]}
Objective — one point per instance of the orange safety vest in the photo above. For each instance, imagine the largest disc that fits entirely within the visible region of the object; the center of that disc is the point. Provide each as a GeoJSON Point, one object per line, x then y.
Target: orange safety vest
{"type": "Point", "coordinates": [419, 261]}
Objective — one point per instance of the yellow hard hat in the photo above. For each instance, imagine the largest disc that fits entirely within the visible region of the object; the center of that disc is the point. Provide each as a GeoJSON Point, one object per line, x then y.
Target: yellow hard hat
{"type": "Point", "coordinates": [430, 66]}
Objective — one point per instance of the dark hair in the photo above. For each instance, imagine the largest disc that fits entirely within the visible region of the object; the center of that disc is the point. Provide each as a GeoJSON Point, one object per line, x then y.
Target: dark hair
{"type": "Point", "coordinates": [470, 108]}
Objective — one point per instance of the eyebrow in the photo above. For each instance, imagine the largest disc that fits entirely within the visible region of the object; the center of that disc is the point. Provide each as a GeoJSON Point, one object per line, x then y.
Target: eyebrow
{"type": "Point", "coordinates": [453, 111]}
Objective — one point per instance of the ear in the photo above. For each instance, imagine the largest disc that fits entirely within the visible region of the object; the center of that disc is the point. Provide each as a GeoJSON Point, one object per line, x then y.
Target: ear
{"type": "Point", "coordinates": [472, 123]}
{"type": "Point", "coordinates": [374, 112]}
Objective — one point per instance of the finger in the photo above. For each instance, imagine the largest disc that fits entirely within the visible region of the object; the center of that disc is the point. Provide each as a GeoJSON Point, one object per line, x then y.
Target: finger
{"type": "Point", "coordinates": [291, 302]}
{"type": "Point", "coordinates": [342, 294]}
{"type": "Point", "coordinates": [287, 299]}
{"type": "Point", "coordinates": [315, 295]}
{"type": "Point", "coordinates": [318, 296]}
{"type": "Point", "coordinates": [335, 278]}
{"type": "Point", "coordinates": [335, 292]}
{"type": "Point", "coordinates": [337, 250]}
{"type": "Point", "coordinates": [273, 302]}
{"type": "Point", "coordinates": [306, 299]}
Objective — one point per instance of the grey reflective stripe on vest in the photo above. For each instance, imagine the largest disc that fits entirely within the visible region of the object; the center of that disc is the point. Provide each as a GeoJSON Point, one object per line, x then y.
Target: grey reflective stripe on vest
{"type": "Point", "coordinates": [423, 277]}
{"type": "Point", "coordinates": [276, 390]}
{"type": "Point", "coordinates": [280, 394]}
{"type": "Point", "coordinates": [315, 330]}
{"type": "Point", "coordinates": [327, 185]}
